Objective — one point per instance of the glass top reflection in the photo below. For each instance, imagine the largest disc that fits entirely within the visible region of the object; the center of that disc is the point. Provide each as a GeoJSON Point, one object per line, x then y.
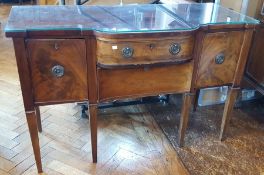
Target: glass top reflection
{"type": "Point", "coordinates": [122, 19]}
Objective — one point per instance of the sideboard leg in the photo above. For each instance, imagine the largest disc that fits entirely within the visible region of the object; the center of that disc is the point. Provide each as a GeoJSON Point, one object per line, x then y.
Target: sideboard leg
{"type": "Point", "coordinates": [187, 101]}
{"type": "Point", "coordinates": [229, 104]}
{"type": "Point", "coordinates": [195, 100]}
{"type": "Point", "coordinates": [93, 126]}
{"type": "Point", "coordinates": [38, 119]}
{"type": "Point", "coordinates": [33, 131]}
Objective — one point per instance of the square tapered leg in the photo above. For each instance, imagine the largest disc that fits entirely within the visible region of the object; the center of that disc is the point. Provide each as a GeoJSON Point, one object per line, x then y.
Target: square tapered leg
{"type": "Point", "coordinates": [93, 127]}
{"type": "Point", "coordinates": [187, 101]}
{"type": "Point", "coordinates": [33, 131]}
{"type": "Point", "coordinates": [38, 119]}
{"type": "Point", "coordinates": [229, 104]}
{"type": "Point", "coordinates": [195, 100]}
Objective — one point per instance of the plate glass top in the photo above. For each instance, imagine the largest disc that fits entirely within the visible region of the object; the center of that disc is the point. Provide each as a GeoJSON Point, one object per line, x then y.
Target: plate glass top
{"type": "Point", "coordinates": [123, 19]}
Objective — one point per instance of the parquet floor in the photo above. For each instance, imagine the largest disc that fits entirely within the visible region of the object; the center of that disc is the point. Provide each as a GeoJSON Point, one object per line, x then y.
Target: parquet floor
{"type": "Point", "coordinates": [129, 140]}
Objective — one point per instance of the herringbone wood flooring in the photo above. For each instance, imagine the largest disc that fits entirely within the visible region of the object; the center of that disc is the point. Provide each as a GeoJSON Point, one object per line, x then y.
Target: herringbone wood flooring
{"type": "Point", "coordinates": [129, 141]}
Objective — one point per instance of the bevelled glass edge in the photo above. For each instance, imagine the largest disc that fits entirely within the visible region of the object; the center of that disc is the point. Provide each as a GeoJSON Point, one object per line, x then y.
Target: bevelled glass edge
{"type": "Point", "coordinates": [101, 31]}
{"type": "Point", "coordinates": [252, 21]}
{"type": "Point", "coordinates": [128, 32]}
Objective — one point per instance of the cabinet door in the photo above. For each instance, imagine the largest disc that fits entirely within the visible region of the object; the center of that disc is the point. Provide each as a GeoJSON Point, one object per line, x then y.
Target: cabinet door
{"type": "Point", "coordinates": [219, 57]}
{"type": "Point", "coordinates": [58, 69]}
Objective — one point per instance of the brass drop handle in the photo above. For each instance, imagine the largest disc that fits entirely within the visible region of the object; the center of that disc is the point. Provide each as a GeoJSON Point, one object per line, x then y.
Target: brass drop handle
{"type": "Point", "coordinates": [127, 52]}
{"type": "Point", "coordinates": [57, 71]}
{"type": "Point", "coordinates": [220, 58]}
{"type": "Point", "coordinates": [175, 48]}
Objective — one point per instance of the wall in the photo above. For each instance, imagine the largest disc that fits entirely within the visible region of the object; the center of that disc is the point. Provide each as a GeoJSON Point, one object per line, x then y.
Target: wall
{"type": "Point", "coordinates": [234, 4]}
{"type": "Point", "coordinates": [259, 7]}
{"type": "Point", "coordinates": [253, 7]}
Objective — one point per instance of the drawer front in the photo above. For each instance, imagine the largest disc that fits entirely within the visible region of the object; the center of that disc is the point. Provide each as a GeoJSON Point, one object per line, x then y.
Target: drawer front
{"type": "Point", "coordinates": [144, 51]}
{"type": "Point", "coordinates": [136, 82]}
{"type": "Point", "coordinates": [59, 69]}
{"type": "Point", "coordinates": [219, 57]}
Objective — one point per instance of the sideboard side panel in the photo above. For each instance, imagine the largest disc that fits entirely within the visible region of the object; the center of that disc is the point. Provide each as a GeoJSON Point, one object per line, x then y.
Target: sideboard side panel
{"type": "Point", "coordinates": [24, 73]}
{"type": "Point", "coordinates": [255, 68]}
{"type": "Point", "coordinates": [91, 66]}
{"type": "Point", "coordinates": [243, 57]}
{"type": "Point", "coordinates": [199, 40]}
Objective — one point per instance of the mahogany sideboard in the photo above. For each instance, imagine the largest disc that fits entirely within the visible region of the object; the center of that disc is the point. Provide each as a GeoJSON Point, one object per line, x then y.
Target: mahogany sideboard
{"type": "Point", "coordinates": [101, 53]}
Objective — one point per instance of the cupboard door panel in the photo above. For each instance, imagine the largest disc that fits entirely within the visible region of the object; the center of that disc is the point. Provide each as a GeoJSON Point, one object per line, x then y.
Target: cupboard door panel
{"type": "Point", "coordinates": [58, 69]}
{"type": "Point", "coordinates": [219, 57]}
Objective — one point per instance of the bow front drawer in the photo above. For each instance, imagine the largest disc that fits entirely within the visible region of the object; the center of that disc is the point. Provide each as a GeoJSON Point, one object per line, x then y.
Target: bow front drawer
{"type": "Point", "coordinates": [58, 69]}
{"type": "Point", "coordinates": [138, 51]}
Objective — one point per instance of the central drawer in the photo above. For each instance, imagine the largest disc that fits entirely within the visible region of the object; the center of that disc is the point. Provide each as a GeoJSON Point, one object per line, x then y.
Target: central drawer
{"type": "Point", "coordinates": [58, 69]}
{"type": "Point", "coordinates": [138, 51]}
{"type": "Point", "coordinates": [144, 81]}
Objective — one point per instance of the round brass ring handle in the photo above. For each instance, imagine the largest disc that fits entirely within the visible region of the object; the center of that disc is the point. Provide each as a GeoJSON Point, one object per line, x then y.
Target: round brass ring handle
{"type": "Point", "coordinates": [57, 71]}
{"type": "Point", "coordinates": [127, 52]}
{"type": "Point", "coordinates": [175, 48]}
{"type": "Point", "coordinates": [220, 58]}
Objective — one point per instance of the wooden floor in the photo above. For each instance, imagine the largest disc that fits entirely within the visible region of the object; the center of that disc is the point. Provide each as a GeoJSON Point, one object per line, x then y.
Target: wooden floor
{"type": "Point", "coordinates": [130, 142]}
